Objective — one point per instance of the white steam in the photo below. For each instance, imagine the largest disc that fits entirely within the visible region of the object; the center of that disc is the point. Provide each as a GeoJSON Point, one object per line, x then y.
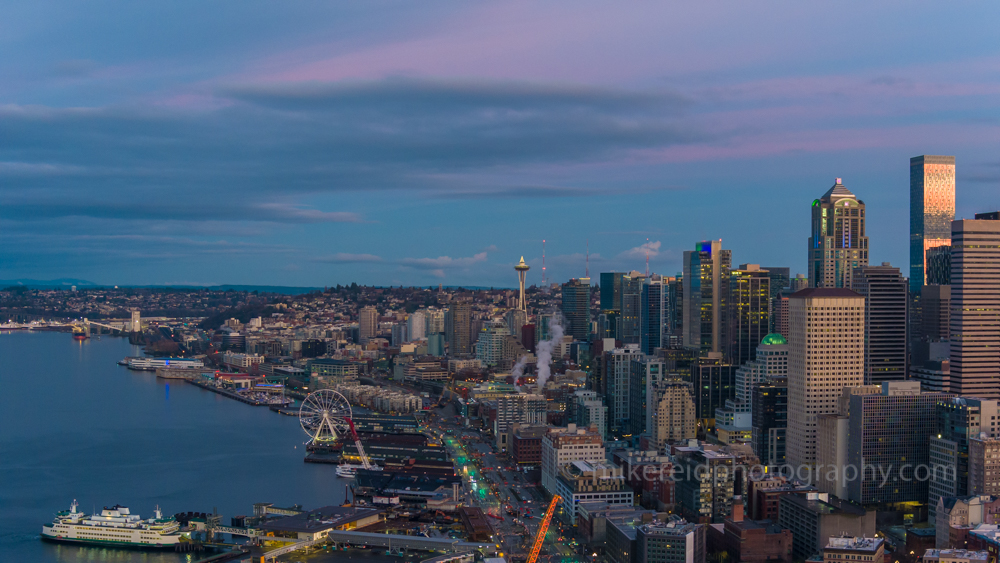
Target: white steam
{"type": "Point", "coordinates": [518, 370]}
{"type": "Point", "coordinates": [545, 350]}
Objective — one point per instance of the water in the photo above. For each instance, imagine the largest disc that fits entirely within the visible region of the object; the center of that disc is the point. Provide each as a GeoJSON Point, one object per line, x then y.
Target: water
{"type": "Point", "coordinates": [74, 425]}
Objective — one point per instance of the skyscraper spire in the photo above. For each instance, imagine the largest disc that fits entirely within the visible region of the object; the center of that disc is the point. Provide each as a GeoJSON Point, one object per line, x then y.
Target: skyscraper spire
{"type": "Point", "coordinates": [647, 257]}
{"type": "Point", "coordinates": [543, 262]}
{"type": "Point", "coordinates": [588, 259]}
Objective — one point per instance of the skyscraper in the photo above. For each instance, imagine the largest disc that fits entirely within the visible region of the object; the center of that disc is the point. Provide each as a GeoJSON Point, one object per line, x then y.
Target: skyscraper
{"type": "Point", "coordinates": [576, 307]}
{"type": "Point", "coordinates": [826, 351]}
{"type": "Point", "coordinates": [837, 243]}
{"type": "Point", "coordinates": [884, 289]}
{"type": "Point", "coordinates": [748, 308]}
{"type": "Point", "coordinates": [654, 312]}
{"type": "Point", "coordinates": [460, 328]}
{"type": "Point", "coordinates": [611, 291]}
{"type": "Point", "coordinates": [932, 209]}
{"type": "Point", "coordinates": [975, 306]}
{"type": "Point", "coordinates": [706, 280]}
{"type": "Point", "coordinates": [631, 294]}
{"type": "Point", "coordinates": [367, 324]}
{"type": "Point", "coordinates": [489, 346]}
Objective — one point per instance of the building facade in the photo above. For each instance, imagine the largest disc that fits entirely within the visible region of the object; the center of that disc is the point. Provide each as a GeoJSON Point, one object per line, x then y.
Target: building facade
{"type": "Point", "coordinates": [975, 306]}
{"type": "Point", "coordinates": [932, 209]}
{"type": "Point", "coordinates": [748, 308]}
{"type": "Point", "coordinates": [837, 243]}
{"type": "Point", "coordinates": [705, 285]}
{"type": "Point", "coordinates": [885, 292]}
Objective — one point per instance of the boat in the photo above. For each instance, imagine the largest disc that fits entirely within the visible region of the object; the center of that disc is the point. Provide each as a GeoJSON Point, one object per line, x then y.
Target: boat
{"type": "Point", "coordinates": [79, 332]}
{"type": "Point", "coordinates": [113, 527]}
{"type": "Point", "coordinates": [350, 470]}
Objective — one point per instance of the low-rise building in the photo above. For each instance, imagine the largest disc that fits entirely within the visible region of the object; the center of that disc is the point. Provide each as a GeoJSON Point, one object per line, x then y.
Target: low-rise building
{"type": "Point", "coordinates": [670, 542]}
{"type": "Point", "coordinates": [316, 524]}
{"type": "Point", "coordinates": [854, 548]}
{"type": "Point", "coordinates": [814, 518]}
{"type": "Point", "coordinates": [955, 556]}
{"type": "Point", "coordinates": [583, 481]}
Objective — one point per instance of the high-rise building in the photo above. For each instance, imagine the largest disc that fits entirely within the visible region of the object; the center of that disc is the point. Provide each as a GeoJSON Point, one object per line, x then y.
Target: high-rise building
{"type": "Point", "coordinates": [770, 361]}
{"type": "Point", "coordinates": [669, 542]}
{"type": "Point", "coordinates": [779, 314]}
{"type": "Point", "coordinates": [959, 420]}
{"type": "Point", "coordinates": [518, 408]}
{"type": "Point", "coordinates": [714, 384]}
{"type": "Point", "coordinates": [563, 446]}
{"type": "Point", "coordinates": [522, 269]}
{"type": "Point", "coordinates": [886, 429]}
{"type": "Point", "coordinates": [489, 347]}
{"type": "Point", "coordinates": [799, 282]}
{"type": "Point", "coordinates": [705, 285]}
{"type": "Point", "coordinates": [975, 306]}
{"type": "Point", "coordinates": [367, 324]}
{"type": "Point", "coordinates": [675, 302]}
{"type": "Point", "coordinates": [748, 308]}
{"type": "Point", "coordinates": [938, 265]}
{"type": "Point", "coordinates": [837, 243]}
{"type": "Point", "coordinates": [515, 319]}
{"type": "Point", "coordinates": [769, 420]}
{"type": "Point", "coordinates": [611, 291]}
{"type": "Point", "coordinates": [885, 292]}
{"type": "Point", "coordinates": [616, 367]}
{"type": "Point", "coordinates": [984, 466]}
{"type": "Point", "coordinates": [435, 321]}
{"type": "Point", "coordinates": [576, 307]}
{"type": "Point", "coordinates": [459, 328]}
{"type": "Point", "coordinates": [631, 294]}
{"type": "Point", "coordinates": [826, 352]}
{"type": "Point", "coordinates": [644, 373]}
{"type": "Point", "coordinates": [781, 279]}
{"type": "Point", "coordinates": [416, 325]}
{"type": "Point", "coordinates": [672, 412]}
{"type": "Point", "coordinates": [590, 410]}
{"type": "Point", "coordinates": [704, 484]}
{"type": "Point", "coordinates": [932, 209]}
{"type": "Point", "coordinates": [654, 314]}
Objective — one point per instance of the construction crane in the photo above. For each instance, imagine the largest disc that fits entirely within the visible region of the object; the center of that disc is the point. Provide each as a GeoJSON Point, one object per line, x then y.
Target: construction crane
{"type": "Point", "coordinates": [536, 548]}
{"type": "Point", "coordinates": [361, 449]}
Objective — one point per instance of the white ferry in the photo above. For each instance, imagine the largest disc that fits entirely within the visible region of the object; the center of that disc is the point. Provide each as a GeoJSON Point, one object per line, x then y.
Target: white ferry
{"type": "Point", "coordinates": [350, 470]}
{"type": "Point", "coordinates": [150, 364]}
{"type": "Point", "coordinates": [114, 527]}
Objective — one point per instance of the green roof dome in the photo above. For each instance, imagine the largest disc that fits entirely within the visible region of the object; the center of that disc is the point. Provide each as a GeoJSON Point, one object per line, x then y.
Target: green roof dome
{"type": "Point", "coordinates": [772, 339]}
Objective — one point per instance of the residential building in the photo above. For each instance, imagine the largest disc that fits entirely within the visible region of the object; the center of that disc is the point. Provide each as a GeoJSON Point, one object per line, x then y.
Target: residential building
{"type": "Point", "coordinates": [644, 372]}
{"type": "Point", "coordinates": [674, 541]}
{"type": "Point", "coordinates": [458, 328]}
{"type": "Point", "coordinates": [825, 354]}
{"type": "Point", "coordinates": [518, 408]}
{"type": "Point", "coordinates": [885, 293]}
{"type": "Point", "coordinates": [590, 411]}
{"type": "Point", "coordinates": [958, 420]}
{"type": "Point", "coordinates": [748, 306]}
{"type": "Point", "coordinates": [654, 314]}
{"type": "Point", "coordinates": [750, 541]}
{"type": "Point", "coordinates": [975, 306]}
{"type": "Point", "coordinates": [616, 370]}
{"type": "Point", "coordinates": [631, 316]}
{"type": "Point", "coordinates": [932, 209]}
{"type": "Point", "coordinates": [489, 347]}
{"type": "Point", "coordinates": [367, 324]}
{"type": "Point", "coordinates": [714, 383]}
{"type": "Point", "coordinates": [515, 320]}
{"type": "Point", "coordinates": [590, 481]}
{"type": "Point", "coordinates": [526, 445]}
{"type": "Point", "coordinates": [814, 518]}
{"type": "Point", "coordinates": [956, 516]}
{"type": "Point", "coordinates": [955, 556]}
{"type": "Point", "coordinates": [673, 412]}
{"type": "Point", "coordinates": [770, 361]}
{"type": "Point", "coordinates": [576, 307]}
{"type": "Point", "coordinates": [611, 291]}
{"type": "Point", "coordinates": [854, 548]}
{"type": "Point", "coordinates": [984, 466]}
{"type": "Point", "coordinates": [416, 325]}
{"type": "Point", "coordinates": [705, 284]}
{"type": "Point", "coordinates": [837, 243]}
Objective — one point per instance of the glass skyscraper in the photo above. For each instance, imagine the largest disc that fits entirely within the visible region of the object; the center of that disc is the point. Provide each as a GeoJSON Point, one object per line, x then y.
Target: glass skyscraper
{"type": "Point", "coordinates": [837, 243]}
{"type": "Point", "coordinates": [932, 209]}
{"type": "Point", "coordinates": [705, 285]}
{"type": "Point", "coordinates": [576, 308]}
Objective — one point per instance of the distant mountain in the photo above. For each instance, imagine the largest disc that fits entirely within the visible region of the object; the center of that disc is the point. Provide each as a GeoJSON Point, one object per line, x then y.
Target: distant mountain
{"type": "Point", "coordinates": [48, 284]}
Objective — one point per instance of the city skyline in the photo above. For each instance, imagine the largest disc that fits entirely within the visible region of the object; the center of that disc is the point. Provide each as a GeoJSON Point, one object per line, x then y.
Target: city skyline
{"type": "Point", "coordinates": [388, 145]}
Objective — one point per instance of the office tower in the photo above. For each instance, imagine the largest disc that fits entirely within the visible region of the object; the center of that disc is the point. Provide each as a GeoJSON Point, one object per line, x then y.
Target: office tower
{"type": "Point", "coordinates": [770, 361]}
{"type": "Point", "coordinates": [814, 518]}
{"type": "Point", "coordinates": [769, 420]}
{"type": "Point", "coordinates": [958, 420]}
{"type": "Point", "coordinates": [611, 291]}
{"type": "Point", "coordinates": [780, 315]}
{"type": "Point", "coordinates": [528, 339]}
{"type": "Point", "coordinates": [781, 279]}
{"type": "Point", "coordinates": [367, 324]}
{"type": "Point", "coordinates": [609, 325]}
{"type": "Point", "coordinates": [576, 308]}
{"type": "Point", "coordinates": [799, 282]}
{"type": "Point", "coordinates": [515, 319]}
{"type": "Point", "coordinates": [714, 383]}
{"type": "Point", "coordinates": [749, 312]}
{"type": "Point", "coordinates": [435, 344]}
{"type": "Point", "coordinates": [522, 269]}
{"type": "Point", "coordinates": [489, 347]}
{"type": "Point", "coordinates": [704, 484]}
{"type": "Point", "coordinates": [399, 336]}
{"type": "Point", "coordinates": [616, 369]}
{"type": "Point", "coordinates": [459, 321]}
{"type": "Point", "coordinates": [975, 306]}
{"type": "Point", "coordinates": [887, 429]}
{"type": "Point", "coordinates": [826, 352]}
{"type": "Point", "coordinates": [706, 280]}
{"type": "Point", "coordinates": [675, 300]}
{"type": "Point", "coordinates": [435, 321]}
{"type": "Point", "coordinates": [631, 294]}
{"type": "Point", "coordinates": [837, 243]}
{"type": "Point", "coordinates": [654, 311]}
{"type": "Point", "coordinates": [938, 265]}
{"type": "Point", "coordinates": [672, 413]}
{"type": "Point", "coordinates": [518, 408]}
{"type": "Point", "coordinates": [884, 290]}
{"type": "Point", "coordinates": [644, 372]}
{"type": "Point", "coordinates": [984, 466]}
{"type": "Point", "coordinates": [932, 209]}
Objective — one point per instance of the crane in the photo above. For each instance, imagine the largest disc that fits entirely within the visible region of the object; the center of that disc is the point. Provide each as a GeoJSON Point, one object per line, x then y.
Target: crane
{"type": "Point", "coordinates": [361, 449]}
{"type": "Point", "coordinates": [536, 548]}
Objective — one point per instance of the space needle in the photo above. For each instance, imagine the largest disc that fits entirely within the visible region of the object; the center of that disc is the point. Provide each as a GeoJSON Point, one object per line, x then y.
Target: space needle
{"type": "Point", "coordinates": [522, 269]}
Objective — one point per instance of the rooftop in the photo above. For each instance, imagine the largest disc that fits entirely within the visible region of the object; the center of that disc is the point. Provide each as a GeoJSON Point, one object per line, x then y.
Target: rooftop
{"type": "Point", "coordinates": [327, 517]}
{"type": "Point", "coordinates": [855, 543]}
{"type": "Point", "coordinates": [829, 292]}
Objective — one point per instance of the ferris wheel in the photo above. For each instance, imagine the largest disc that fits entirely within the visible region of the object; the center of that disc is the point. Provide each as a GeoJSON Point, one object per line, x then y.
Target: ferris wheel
{"type": "Point", "coordinates": [324, 416]}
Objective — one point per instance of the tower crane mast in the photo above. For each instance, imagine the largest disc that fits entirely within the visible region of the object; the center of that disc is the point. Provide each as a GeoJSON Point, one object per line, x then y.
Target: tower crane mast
{"type": "Point", "coordinates": [361, 449]}
{"type": "Point", "coordinates": [536, 548]}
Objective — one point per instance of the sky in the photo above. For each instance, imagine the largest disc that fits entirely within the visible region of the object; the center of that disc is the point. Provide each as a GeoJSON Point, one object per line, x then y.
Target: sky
{"type": "Point", "coordinates": [425, 143]}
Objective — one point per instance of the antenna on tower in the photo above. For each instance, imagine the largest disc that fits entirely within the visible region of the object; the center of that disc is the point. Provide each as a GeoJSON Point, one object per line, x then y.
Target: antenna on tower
{"type": "Point", "coordinates": [647, 257]}
{"type": "Point", "coordinates": [543, 262]}
{"type": "Point", "coordinates": [588, 259]}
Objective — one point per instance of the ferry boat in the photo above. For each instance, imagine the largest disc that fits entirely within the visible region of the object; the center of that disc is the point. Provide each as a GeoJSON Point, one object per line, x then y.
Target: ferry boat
{"type": "Point", "coordinates": [113, 527]}
{"type": "Point", "coordinates": [350, 470]}
{"type": "Point", "coordinates": [150, 364]}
